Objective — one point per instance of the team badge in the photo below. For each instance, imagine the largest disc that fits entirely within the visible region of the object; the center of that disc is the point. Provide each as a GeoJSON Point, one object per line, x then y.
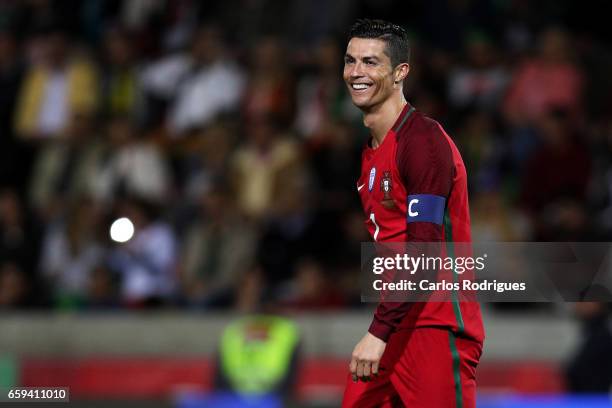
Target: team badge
{"type": "Point", "coordinates": [372, 177]}
{"type": "Point", "coordinates": [386, 184]}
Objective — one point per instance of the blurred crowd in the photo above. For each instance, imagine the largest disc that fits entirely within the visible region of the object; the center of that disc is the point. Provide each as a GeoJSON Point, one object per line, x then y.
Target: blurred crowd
{"type": "Point", "coordinates": [224, 132]}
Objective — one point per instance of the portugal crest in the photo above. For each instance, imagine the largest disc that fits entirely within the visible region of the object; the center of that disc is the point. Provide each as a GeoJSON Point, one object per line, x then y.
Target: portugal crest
{"type": "Point", "coordinates": [386, 185]}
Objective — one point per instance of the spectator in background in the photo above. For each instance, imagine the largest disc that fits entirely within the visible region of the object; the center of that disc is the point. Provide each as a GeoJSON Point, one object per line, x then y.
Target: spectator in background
{"type": "Point", "coordinates": [195, 87]}
{"type": "Point", "coordinates": [266, 169]}
{"type": "Point", "coordinates": [19, 233]}
{"type": "Point", "coordinates": [550, 80]}
{"type": "Point", "coordinates": [334, 160]}
{"type": "Point", "coordinates": [215, 251]}
{"type": "Point", "coordinates": [558, 172]}
{"type": "Point", "coordinates": [321, 97]}
{"type": "Point", "coordinates": [119, 76]}
{"type": "Point", "coordinates": [291, 228]}
{"type": "Point", "coordinates": [101, 289]}
{"type": "Point", "coordinates": [590, 368]}
{"type": "Point", "coordinates": [71, 252]}
{"type": "Point", "coordinates": [560, 168]}
{"type": "Point", "coordinates": [136, 14]}
{"type": "Point", "coordinates": [565, 220]}
{"type": "Point", "coordinates": [482, 148]}
{"type": "Point", "coordinates": [495, 220]}
{"type": "Point", "coordinates": [14, 287]}
{"type": "Point", "coordinates": [58, 85]}
{"type": "Point", "coordinates": [146, 264]}
{"type": "Point", "coordinates": [481, 81]}
{"type": "Point", "coordinates": [130, 165]}
{"type": "Point", "coordinates": [270, 90]}
{"type": "Point", "coordinates": [311, 289]}
{"type": "Point", "coordinates": [206, 159]}
{"type": "Point", "coordinates": [64, 169]}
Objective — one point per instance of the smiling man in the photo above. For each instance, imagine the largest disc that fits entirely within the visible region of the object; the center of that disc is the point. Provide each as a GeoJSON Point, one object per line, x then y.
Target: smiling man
{"type": "Point", "coordinates": [413, 188]}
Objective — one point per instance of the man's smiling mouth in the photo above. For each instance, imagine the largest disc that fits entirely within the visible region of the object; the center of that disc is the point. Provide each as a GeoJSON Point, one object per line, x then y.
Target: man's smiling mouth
{"type": "Point", "coordinates": [360, 86]}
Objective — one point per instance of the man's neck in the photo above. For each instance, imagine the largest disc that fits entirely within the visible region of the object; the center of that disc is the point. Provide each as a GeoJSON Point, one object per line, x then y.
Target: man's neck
{"type": "Point", "coordinates": [380, 118]}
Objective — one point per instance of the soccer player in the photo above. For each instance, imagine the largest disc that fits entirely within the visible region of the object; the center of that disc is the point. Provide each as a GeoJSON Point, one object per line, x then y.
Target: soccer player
{"type": "Point", "coordinates": [413, 188]}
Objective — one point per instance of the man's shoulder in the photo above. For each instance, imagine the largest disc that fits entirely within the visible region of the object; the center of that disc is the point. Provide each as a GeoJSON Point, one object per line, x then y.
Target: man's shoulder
{"type": "Point", "coordinates": [422, 137]}
{"type": "Point", "coordinates": [420, 127]}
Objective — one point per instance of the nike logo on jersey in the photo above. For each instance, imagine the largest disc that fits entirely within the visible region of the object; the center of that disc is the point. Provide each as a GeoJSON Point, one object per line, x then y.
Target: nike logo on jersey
{"type": "Point", "coordinates": [360, 187]}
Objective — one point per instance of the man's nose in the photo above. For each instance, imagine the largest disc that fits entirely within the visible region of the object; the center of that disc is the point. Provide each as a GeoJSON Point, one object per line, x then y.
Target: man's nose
{"type": "Point", "coordinates": [356, 70]}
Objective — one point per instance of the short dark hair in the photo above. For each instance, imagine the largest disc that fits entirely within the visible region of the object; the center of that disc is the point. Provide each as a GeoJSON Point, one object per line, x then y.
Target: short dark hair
{"type": "Point", "coordinates": [393, 35]}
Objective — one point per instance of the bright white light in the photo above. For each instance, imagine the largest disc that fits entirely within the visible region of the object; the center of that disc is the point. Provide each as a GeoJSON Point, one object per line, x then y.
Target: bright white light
{"type": "Point", "coordinates": [122, 230]}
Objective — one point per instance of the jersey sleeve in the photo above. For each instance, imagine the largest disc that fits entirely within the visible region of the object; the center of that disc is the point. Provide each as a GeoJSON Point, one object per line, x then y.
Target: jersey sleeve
{"type": "Point", "coordinates": [425, 163]}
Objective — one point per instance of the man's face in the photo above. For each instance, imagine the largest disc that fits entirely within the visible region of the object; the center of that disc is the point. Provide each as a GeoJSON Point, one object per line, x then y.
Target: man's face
{"type": "Point", "coordinates": [368, 72]}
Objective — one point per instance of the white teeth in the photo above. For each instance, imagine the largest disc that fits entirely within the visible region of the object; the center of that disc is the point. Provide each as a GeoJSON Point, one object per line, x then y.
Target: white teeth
{"type": "Point", "coordinates": [360, 86]}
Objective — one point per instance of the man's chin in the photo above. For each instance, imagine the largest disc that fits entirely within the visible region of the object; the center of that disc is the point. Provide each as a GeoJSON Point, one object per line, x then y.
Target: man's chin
{"type": "Point", "coordinates": [362, 103]}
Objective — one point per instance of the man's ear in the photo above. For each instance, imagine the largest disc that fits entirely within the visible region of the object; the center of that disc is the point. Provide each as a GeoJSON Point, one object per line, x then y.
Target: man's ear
{"type": "Point", "coordinates": [401, 72]}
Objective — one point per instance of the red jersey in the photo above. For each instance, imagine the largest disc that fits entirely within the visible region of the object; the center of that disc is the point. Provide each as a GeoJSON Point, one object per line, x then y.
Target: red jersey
{"type": "Point", "coordinates": [413, 188]}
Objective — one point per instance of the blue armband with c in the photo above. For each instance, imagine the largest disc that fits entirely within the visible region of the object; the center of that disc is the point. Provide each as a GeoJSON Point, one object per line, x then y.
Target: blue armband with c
{"type": "Point", "coordinates": [426, 208]}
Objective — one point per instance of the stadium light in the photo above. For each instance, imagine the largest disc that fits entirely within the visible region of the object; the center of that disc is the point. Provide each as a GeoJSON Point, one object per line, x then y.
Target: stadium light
{"type": "Point", "coordinates": [122, 230]}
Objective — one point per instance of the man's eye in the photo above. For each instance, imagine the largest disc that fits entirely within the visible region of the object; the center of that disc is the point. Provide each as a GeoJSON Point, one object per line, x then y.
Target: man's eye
{"type": "Point", "coordinates": [371, 63]}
